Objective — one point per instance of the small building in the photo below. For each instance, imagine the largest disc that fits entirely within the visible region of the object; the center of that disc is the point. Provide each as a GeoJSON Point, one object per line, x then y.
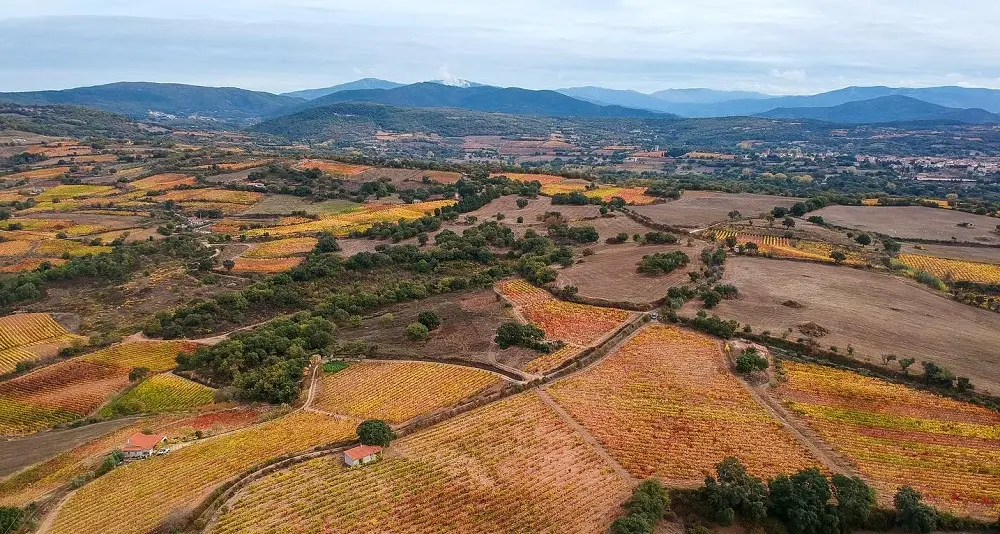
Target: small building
{"type": "Point", "coordinates": [361, 455]}
{"type": "Point", "coordinates": [142, 445]}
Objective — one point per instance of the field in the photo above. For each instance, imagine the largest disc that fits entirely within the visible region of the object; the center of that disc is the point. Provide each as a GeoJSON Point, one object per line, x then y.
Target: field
{"type": "Point", "coordinates": [399, 391]}
{"type": "Point", "coordinates": [20, 333]}
{"type": "Point", "coordinates": [914, 222]}
{"type": "Point", "coordinates": [38, 174]}
{"type": "Point", "coordinates": [634, 196]}
{"type": "Point", "coordinates": [696, 209]}
{"type": "Point", "coordinates": [665, 404]}
{"type": "Point", "coordinates": [513, 466]}
{"type": "Point", "coordinates": [135, 498]}
{"type": "Point", "coordinates": [551, 361]}
{"type": "Point", "coordinates": [782, 247]}
{"type": "Point", "coordinates": [282, 248]}
{"type": "Point", "coordinates": [544, 179]}
{"type": "Point", "coordinates": [332, 167]}
{"type": "Point", "coordinates": [956, 270]}
{"type": "Point", "coordinates": [165, 392]}
{"type": "Point", "coordinates": [156, 356]}
{"type": "Point", "coordinates": [859, 308]}
{"type": "Point", "coordinates": [223, 196]}
{"type": "Point", "coordinates": [359, 219]}
{"type": "Point", "coordinates": [579, 324]}
{"type": "Point", "coordinates": [266, 265]}
{"type": "Point", "coordinates": [610, 273]}
{"type": "Point", "coordinates": [979, 254]}
{"type": "Point", "coordinates": [64, 192]}
{"type": "Point", "coordinates": [897, 436]}
{"type": "Point", "coordinates": [286, 204]}
{"type": "Point", "coordinates": [163, 182]}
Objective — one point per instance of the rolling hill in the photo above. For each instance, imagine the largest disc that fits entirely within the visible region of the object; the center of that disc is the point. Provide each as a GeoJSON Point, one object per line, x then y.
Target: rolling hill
{"type": "Point", "coordinates": [893, 108]}
{"type": "Point", "coordinates": [663, 101]}
{"type": "Point", "coordinates": [148, 100]}
{"type": "Point", "coordinates": [364, 83]}
{"type": "Point", "coordinates": [483, 98]}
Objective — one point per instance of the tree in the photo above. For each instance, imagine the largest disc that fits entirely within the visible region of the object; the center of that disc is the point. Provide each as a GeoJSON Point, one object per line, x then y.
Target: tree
{"type": "Point", "coordinates": [770, 219]}
{"type": "Point", "coordinates": [735, 491]}
{"type": "Point", "coordinates": [735, 215]}
{"type": "Point", "coordinates": [788, 222]}
{"type": "Point", "coordinates": [912, 514]}
{"type": "Point", "coordinates": [799, 209]}
{"type": "Point", "coordinates": [228, 264]}
{"type": "Point", "coordinates": [631, 524]}
{"type": "Point", "coordinates": [731, 241]}
{"type": "Point", "coordinates": [10, 518]}
{"type": "Point", "coordinates": [522, 202]}
{"type": "Point", "coordinates": [838, 257]}
{"type": "Point", "coordinates": [417, 332]}
{"type": "Point", "coordinates": [326, 243]}
{"type": "Point", "coordinates": [801, 501]}
{"type": "Point", "coordinates": [816, 219]}
{"type": "Point", "coordinates": [891, 246]}
{"type": "Point", "coordinates": [855, 501]}
{"type": "Point", "coordinates": [429, 319]}
{"type": "Point", "coordinates": [138, 373]}
{"type": "Point", "coordinates": [375, 432]}
{"type": "Point", "coordinates": [905, 364]}
{"type": "Point", "coordinates": [779, 212]}
{"type": "Point", "coordinates": [711, 299]}
{"type": "Point", "coordinates": [863, 240]}
{"type": "Point", "coordinates": [750, 360]}
{"type": "Point", "coordinates": [511, 334]}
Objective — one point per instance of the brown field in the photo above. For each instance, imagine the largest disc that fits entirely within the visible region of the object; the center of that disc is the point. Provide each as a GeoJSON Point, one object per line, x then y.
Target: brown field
{"type": "Point", "coordinates": [286, 204]}
{"type": "Point", "coordinates": [980, 254]}
{"type": "Point", "coordinates": [539, 206]}
{"type": "Point", "coordinates": [701, 208]}
{"type": "Point", "coordinates": [332, 167]}
{"type": "Point", "coordinates": [610, 273]}
{"type": "Point", "coordinates": [39, 174]}
{"type": "Point", "coordinates": [468, 324]}
{"type": "Point", "coordinates": [914, 222]}
{"type": "Point", "coordinates": [875, 313]}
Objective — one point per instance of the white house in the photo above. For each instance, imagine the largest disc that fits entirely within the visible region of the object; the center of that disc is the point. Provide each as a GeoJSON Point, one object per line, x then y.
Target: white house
{"type": "Point", "coordinates": [142, 445]}
{"type": "Point", "coordinates": [361, 455]}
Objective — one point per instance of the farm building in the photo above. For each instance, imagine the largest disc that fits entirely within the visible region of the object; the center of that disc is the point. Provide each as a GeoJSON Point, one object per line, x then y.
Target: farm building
{"type": "Point", "coordinates": [361, 455]}
{"type": "Point", "coordinates": [142, 445]}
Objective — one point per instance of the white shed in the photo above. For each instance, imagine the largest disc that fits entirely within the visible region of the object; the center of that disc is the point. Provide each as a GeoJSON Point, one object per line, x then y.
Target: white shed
{"type": "Point", "coordinates": [361, 455]}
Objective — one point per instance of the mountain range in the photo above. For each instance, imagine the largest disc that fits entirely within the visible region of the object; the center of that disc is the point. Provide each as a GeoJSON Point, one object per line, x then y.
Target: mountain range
{"type": "Point", "coordinates": [165, 101]}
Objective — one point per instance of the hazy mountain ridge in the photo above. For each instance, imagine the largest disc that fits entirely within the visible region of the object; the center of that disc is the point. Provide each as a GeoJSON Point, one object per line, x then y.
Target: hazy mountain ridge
{"type": "Point", "coordinates": [892, 108]}
{"type": "Point", "coordinates": [364, 83]}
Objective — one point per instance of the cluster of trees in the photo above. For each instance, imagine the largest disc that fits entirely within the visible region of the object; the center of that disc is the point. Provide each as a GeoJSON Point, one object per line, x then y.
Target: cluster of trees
{"type": "Point", "coordinates": [562, 233]}
{"type": "Point", "coordinates": [807, 502]}
{"type": "Point", "coordinates": [427, 321]}
{"type": "Point", "coordinates": [662, 263]}
{"type": "Point", "coordinates": [575, 198]}
{"type": "Point", "coordinates": [647, 505]}
{"type": "Point", "coordinates": [264, 364]}
{"type": "Point", "coordinates": [514, 334]}
{"type": "Point", "coordinates": [750, 360]}
{"type": "Point", "coordinates": [398, 231]}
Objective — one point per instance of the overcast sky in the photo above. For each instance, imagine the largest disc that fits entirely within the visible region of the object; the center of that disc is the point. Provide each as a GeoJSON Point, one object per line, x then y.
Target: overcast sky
{"type": "Point", "coordinates": [776, 46]}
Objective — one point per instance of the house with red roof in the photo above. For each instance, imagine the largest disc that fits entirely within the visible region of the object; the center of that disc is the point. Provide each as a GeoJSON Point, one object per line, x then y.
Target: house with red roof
{"type": "Point", "coordinates": [361, 455]}
{"type": "Point", "coordinates": [142, 445]}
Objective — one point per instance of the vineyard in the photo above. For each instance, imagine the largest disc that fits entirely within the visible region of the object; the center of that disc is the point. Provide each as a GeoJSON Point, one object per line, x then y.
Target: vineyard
{"type": "Point", "coordinates": [665, 404]}
{"type": "Point", "coordinates": [544, 179]}
{"type": "Point", "coordinates": [63, 192]}
{"type": "Point", "coordinates": [553, 360]}
{"type": "Point", "coordinates": [957, 270]}
{"type": "Point", "coordinates": [136, 498]}
{"type": "Point", "coordinates": [332, 167]}
{"type": "Point", "coordinates": [38, 174]}
{"type": "Point", "coordinates": [164, 182]}
{"type": "Point", "coordinates": [784, 247]}
{"type": "Point", "coordinates": [283, 247]}
{"type": "Point", "coordinates": [341, 224]}
{"type": "Point", "coordinates": [897, 436]}
{"type": "Point", "coordinates": [165, 392]}
{"type": "Point", "coordinates": [579, 324]}
{"type": "Point", "coordinates": [635, 196]}
{"type": "Point", "coordinates": [513, 466]}
{"type": "Point", "coordinates": [156, 356]}
{"type": "Point", "coordinates": [398, 392]}
{"type": "Point", "coordinates": [267, 265]}
{"type": "Point", "coordinates": [223, 196]}
{"type": "Point", "coordinates": [20, 332]}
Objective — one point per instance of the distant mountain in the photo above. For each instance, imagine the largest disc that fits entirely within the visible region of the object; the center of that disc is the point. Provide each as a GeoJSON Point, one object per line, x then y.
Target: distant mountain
{"type": "Point", "coordinates": [364, 83]}
{"type": "Point", "coordinates": [955, 97]}
{"type": "Point", "coordinates": [458, 82]}
{"type": "Point", "coordinates": [893, 108]}
{"type": "Point", "coordinates": [616, 97]}
{"type": "Point", "coordinates": [484, 98]}
{"type": "Point", "coordinates": [145, 100]}
{"type": "Point", "coordinates": [705, 96]}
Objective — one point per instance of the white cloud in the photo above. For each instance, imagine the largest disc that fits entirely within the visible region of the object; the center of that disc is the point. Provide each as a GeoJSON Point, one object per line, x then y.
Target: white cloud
{"type": "Point", "coordinates": [780, 46]}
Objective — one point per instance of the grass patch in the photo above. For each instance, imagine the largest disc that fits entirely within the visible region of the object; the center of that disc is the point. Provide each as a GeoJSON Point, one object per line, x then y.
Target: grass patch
{"type": "Point", "coordinates": [334, 367]}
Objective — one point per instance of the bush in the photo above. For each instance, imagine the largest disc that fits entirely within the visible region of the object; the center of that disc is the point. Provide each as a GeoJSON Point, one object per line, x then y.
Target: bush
{"type": "Point", "coordinates": [912, 514]}
{"type": "Point", "coordinates": [429, 319]}
{"type": "Point", "coordinates": [750, 361]}
{"type": "Point", "coordinates": [375, 432]}
{"type": "Point", "coordinates": [417, 332]}
{"type": "Point", "coordinates": [662, 262]}
{"type": "Point", "coordinates": [659, 238]}
{"type": "Point", "coordinates": [645, 507]}
{"type": "Point", "coordinates": [10, 518]}
{"type": "Point", "coordinates": [511, 334]}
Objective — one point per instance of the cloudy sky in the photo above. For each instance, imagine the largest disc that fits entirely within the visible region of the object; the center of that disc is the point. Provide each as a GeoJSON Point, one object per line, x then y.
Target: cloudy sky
{"type": "Point", "coordinates": [776, 46]}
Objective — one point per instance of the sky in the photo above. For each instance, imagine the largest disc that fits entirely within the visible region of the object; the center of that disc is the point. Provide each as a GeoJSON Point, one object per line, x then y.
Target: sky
{"type": "Point", "coordinates": [772, 46]}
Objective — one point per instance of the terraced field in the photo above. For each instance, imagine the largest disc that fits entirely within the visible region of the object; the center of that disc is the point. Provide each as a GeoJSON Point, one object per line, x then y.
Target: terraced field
{"type": "Point", "coordinates": [24, 336]}
{"type": "Point", "coordinates": [161, 393]}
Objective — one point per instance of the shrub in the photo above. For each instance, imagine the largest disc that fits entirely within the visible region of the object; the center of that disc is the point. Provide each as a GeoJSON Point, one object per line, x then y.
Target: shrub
{"type": "Point", "coordinates": [912, 514]}
{"type": "Point", "coordinates": [750, 361]}
{"type": "Point", "coordinates": [417, 332]}
{"type": "Point", "coordinates": [511, 334]}
{"type": "Point", "coordinates": [10, 518]}
{"type": "Point", "coordinates": [429, 319]}
{"type": "Point", "coordinates": [662, 262]}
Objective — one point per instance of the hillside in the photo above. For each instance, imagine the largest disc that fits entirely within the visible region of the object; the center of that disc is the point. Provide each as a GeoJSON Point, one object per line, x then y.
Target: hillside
{"type": "Point", "coordinates": [73, 121]}
{"type": "Point", "coordinates": [146, 100]}
{"type": "Point", "coordinates": [493, 99]}
{"type": "Point", "coordinates": [895, 108]}
{"type": "Point", "coordinates": [364, 83]}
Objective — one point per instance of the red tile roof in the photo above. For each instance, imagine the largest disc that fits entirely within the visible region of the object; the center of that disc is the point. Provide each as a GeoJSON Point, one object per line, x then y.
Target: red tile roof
{"type": "Point", "coordinates": [144, 442]}
{"type": "Point", "coordinates": [361, 451]}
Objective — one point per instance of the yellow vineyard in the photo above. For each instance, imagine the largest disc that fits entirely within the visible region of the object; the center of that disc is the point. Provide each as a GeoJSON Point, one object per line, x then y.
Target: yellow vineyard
{"type": "Point", "coordinates": [783, 247]}
{"type": "Point", "coordinates": [957, 270]}
{"type": "Point", "coordinates": [341, 224]}
{"type": "Point", "coordinates": [23, 336]}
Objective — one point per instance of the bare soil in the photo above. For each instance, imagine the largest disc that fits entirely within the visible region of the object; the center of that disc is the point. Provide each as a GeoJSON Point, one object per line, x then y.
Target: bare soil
{"type": "Point", "coordinates": [697, 209]}
{"type": "Point", "coordinates": [469, 322]}
{"type": "Point", "coordinates": [877, 314]}
{"type": "Point", "coordinates": [914, 222]}
{"type": "Point", "coordinates": [610, 273]}
{"type": "Point", "coordinates": [16, 454]}
{"type": "Point", "coordinates": [232, 177]}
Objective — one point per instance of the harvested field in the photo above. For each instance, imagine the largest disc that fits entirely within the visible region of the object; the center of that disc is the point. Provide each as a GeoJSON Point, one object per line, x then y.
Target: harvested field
{"type": "Point", "coordinates": [513, 466]}
{"type": "Point", "coordinates": [876, 314]}
{"type": "Point", "coordinates": [399, 391]}
{"type": "Point", "coordinates": [614, 225]}
{"type": "Point", "coordinates": [897, 436]}
{"type": "Point", "coordinates": [469, 321]}
{"type": "Point", "coordinates": [665, 404]}
{"type": "Point", "coordinates": [610, 273]}
{"type": "Point", "coordinates": [914, 222]}
{"type": "Point", "coordinates": [696, 209]}
{"type": "Point", "coordinates": [535, 208]}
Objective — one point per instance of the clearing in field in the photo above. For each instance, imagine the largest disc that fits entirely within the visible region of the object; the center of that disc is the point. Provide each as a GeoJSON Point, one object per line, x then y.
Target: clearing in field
{"type": "Point", "coordinates": [283, 248]}
{"type": "Point", "coordinates": [783, 247]}
{"type": "Point", "coordinates": [335, 168]}
{"type": "Point", "coordinates": [953, 270]}
{"type": "Point", "coordinates": [512, 466]}
{"type": "Point", "coordinates": [666, 404]}
{"type": "Point", "coordinates": [696, 209]}
{"type": "Point", "coordinates": [914, 222]}
{"type": "Point", "coordinates": [875, 314]}
{"type": "Point", "coordinates": [399, 391]}
{"type": "Point", "coordinates": [579, 324]}
{"type": "Point", "coordinates": [165, 392]}
{"type": "Point", "coordinates": [26, 336]}
{"type": "Point", "coordinates": [896, 436]}
{"type": "Point", "coordinates": [135, 498]}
